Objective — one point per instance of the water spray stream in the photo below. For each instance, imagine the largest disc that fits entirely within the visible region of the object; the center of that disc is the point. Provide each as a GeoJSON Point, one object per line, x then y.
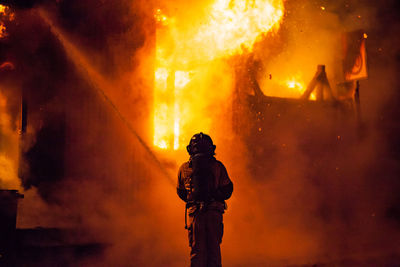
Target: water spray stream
{"type": "Point", "coordinates": [99, 83]}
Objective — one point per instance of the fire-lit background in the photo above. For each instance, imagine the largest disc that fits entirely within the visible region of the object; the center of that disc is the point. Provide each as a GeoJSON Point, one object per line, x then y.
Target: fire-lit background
{"type": "Point", "coordinates": [98, 100]}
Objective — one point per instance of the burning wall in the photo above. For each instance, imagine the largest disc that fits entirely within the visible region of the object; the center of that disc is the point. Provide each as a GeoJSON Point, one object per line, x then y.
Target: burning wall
{"type": "Point", "coordinates": [193, 72]}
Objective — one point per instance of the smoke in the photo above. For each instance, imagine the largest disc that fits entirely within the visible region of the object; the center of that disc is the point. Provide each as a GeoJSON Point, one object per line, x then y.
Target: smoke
{"type": "Point", "coordinates": [112, 186]}
{"type": "Point", "coordinates": [307, 188]}
{"type": "Point", "coordinates": [8, 144]}
{"type": "Point", "coordinates": [316, 192]}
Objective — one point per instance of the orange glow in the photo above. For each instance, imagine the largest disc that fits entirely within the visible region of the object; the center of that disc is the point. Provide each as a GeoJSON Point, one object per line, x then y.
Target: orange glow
{"type": "Point", "coordinates": [5, 15]}
{"type": "Point", "coordinates": [293, 84]}
{"type": "Point", "coordinates": [287, 87]}
{"type": "Point", "coordinates": [3, 9]}
{"type": "Point", "coordinates": [3, 29]}
{"type": "Point", "coordinates": [297, 88]}
{"type": "Point", "coordinates": [7, 66]}
{"type": "Point", "coordinates": [187, 58]}
{"type": "Point", "coordinates": [293, 87]}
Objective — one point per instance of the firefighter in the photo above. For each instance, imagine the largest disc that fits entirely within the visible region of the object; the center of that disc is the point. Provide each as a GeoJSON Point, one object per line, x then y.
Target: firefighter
{"type": "Point", "coordinates": [204, 184]}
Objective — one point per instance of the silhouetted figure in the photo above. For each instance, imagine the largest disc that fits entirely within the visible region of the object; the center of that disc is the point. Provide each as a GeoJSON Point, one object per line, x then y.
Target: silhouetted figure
{"type": "Point", "coordinates": [204, 184]}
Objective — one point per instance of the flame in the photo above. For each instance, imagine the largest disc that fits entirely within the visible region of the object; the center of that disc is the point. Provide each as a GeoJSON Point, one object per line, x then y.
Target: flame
{"type": "Point", "coordinates": [186, 58]}
{"type": "Point", "coordinates": [234, 25]}
{"type": "Point", "coordinates": [3, 30]}
{"type": "Point", "coordinates": [298, 87]}
{"type": "Point", "coordinates": [3, 9]}
{"type": "Point", "coordinates": [5, 15]}
{"type": "Point", "coordinates": [181, 79]}
{"type": "Point", "coordinates": [293, 84]}
{"type": "Point", "coordinates": [291, 87]}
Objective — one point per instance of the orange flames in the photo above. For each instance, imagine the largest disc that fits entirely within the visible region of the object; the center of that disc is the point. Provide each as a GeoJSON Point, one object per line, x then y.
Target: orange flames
{"type": "Point", "coordinates": [5, 15]}
{"type": "Point", "coordinates": [188, 60]}
{"type": "Point", "coordinates": [297, 88]}
{"type": "Point", "coordinates": [3, 9]}
{"type": "Point", "coordinates": [234, 25]}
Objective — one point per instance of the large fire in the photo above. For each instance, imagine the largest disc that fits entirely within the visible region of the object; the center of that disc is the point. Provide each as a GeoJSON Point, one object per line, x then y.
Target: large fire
{"type": "Point", "coordinates": [187, 54]}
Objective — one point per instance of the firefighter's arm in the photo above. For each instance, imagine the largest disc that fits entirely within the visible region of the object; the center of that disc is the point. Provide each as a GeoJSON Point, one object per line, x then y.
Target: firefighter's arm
{"type": "Point", "coordinates": [182, 194]}
{"type": "Point", "coordinates": [225, 188]}
{"type": "Point", "coordinates": [180, 189]}
{"type": "Point", "coordinates": [224, 192]}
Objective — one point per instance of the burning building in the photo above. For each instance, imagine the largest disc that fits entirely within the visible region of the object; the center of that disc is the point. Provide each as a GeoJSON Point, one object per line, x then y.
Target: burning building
{"type": "Point", "coordinates": [99, 99]}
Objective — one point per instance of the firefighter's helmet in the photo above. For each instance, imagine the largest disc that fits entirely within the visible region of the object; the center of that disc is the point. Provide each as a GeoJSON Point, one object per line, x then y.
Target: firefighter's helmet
{"type": "Point", "coordinates": [201, 143]}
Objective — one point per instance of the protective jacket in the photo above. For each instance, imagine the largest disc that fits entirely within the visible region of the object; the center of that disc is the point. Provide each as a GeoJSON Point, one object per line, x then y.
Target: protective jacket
{"type": "Point", "coordinates": [220, 187]}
